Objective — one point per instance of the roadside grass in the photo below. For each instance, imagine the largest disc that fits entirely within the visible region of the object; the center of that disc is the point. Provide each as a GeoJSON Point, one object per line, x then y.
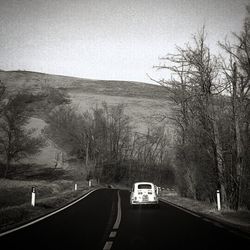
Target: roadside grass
{"type": "Point", "coordinates": [239, 219]}
{"type": "Point", "coordinates": [16, 208]}
{"type": "Point", "coordinates": [54, 188]}
{"type": "Point", "coordinates": [16, 192]}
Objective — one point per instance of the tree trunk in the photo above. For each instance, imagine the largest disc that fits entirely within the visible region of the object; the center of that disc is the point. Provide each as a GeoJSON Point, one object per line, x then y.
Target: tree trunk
{"type": "Point", "coordinates": [219, 163]}
{"type": "Point", "coordinates": [87, 155]}
{"type": "Point", "coordinates": [7, 167]}
{"type": "Point", "coordinates": [238, 142]}
{"type": "Point", "coordinates": [218, 153]}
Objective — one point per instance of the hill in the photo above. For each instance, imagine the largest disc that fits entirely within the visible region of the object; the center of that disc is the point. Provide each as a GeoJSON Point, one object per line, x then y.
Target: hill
{"type": "Point", "coordinates": [142, 100]}
{"type": "Point", "coordinates": [34, 80]}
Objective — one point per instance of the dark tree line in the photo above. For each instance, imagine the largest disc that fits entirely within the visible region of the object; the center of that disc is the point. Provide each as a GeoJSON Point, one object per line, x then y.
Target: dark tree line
{"type": "Point", "coordinates": [107, 144]}
{"type": "Point", "coordinates": [211, 112]}
{"type": "Point", "coordinates": [16, 140]}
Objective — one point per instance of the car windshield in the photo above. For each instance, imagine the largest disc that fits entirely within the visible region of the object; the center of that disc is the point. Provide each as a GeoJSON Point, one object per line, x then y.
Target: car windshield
{"type": "Point", "coordinates": [144, 186]}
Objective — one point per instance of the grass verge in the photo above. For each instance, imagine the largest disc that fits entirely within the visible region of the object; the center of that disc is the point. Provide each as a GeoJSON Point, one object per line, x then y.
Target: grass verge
{"type": "Point", "coordinates": [16, 207]}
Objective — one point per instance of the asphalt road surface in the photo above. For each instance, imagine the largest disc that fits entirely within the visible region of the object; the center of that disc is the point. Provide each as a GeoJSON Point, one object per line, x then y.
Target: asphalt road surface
{"type": "Point", "coordinates": [105, 220]}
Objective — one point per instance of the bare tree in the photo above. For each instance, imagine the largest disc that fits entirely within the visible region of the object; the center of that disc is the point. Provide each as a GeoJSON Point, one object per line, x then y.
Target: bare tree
{"type": "Point", "coordinates": [2, 94]}
{"type": "Point", "coordinates": [16, 141]}
{"type": "Point", "coordinates": [100, 138]}
{"type": "Point", "coordinates": [193, 89]}
{"type": "Point", "coordinates": [2, 89]}
{"type": "Point", "coordinates": [236, 70]}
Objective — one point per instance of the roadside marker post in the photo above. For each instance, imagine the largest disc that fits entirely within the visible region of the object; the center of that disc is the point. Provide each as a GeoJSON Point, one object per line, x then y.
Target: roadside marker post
{"type": "Point", "coordinates": [90, 183]}
{"type": "Point", "coordinates": [75, 187]}
{"type": "Point", "coordinates": [218, 200]}
{"type": "Point", "coordinates": [33, 196]}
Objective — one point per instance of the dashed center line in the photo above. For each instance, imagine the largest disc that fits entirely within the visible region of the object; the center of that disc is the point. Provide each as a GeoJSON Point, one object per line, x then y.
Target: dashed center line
{"type": "Point", "coordinates": [108, 245]}
{"type": "Point", "coordinates": [118, 218]}
{"type": "Point", "coordinates": [109, 242]}
{"type": "Point", "coordinates": [112, 234]}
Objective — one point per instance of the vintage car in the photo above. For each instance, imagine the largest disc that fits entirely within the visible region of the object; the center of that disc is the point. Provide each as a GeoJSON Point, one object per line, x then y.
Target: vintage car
{"type": "Point", "coordinates": [144, 193]}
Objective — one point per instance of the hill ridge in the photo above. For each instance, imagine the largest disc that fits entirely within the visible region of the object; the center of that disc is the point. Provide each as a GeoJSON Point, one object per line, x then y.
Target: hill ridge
{"type": "Point", "coordinates": [34, 80]}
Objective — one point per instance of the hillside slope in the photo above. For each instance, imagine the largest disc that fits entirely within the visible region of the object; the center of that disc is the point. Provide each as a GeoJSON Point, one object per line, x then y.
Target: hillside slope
{"type": "Point", "coordinates": [34, 80]}
{"type": "Point", "coordinates": [142, 101]}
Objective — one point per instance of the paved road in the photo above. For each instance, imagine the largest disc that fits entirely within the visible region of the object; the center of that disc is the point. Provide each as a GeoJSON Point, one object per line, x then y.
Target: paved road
{"type": "Point", "coordinates": [104, 220]}
{"type": "Point", "coordinates": [170, 228]}
{"type": "Point", "coordinates": [85, 225]}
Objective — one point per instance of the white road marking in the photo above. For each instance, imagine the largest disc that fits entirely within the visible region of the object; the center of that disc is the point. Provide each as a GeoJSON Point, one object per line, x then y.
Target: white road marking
{"type": "Point", "coordinates": [183, 209]}
{"type": "Point", "coordinates": [112, 235]}
{"type": "Point", "coordinates": [118, 218]}
{"type": "Point", "coordinates": [207, 220]}
{"type": "Point", "coordinates": [108, 245]}
{"type": "Point", "coordinates": [46, 216]}
{"type": "Point", "coordinates": [217, 224]}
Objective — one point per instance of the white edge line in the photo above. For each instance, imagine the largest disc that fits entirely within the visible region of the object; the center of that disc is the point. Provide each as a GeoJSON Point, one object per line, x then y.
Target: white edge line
{"type": "Point", "coordinates": [48, 215]}
{"type": "Point", "coordinates": [217, 224]}
{"type": "Point", "coordinates": [118, 218]}
{"type": "Point", "coordinates": [206, 219]}
{"type": "Point", "coordinates": [183, 209]}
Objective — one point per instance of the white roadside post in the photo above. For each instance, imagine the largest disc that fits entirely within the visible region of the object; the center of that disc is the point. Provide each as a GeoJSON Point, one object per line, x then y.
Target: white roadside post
{"type": "Point", "coordinates": [218, 200]}
{"type": "Point", "coordinates": [33, 197]}
{"type": "Point", "coordinates": [75, 187]}
{"type": "Point", "coordinates": [90, 183]}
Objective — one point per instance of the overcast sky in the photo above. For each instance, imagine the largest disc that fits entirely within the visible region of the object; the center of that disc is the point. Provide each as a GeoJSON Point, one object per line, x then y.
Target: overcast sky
{"type": "Point", "coordinates": [107, 39]}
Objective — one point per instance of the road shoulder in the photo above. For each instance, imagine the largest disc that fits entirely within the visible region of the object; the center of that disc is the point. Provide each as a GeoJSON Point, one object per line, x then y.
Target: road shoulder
{"type": "Point", "coordinates": [238, 222]}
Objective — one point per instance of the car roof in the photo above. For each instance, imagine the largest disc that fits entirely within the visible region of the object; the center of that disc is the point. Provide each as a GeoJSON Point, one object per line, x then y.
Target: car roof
{"type": "Point", "coordinates": [137, 183]}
